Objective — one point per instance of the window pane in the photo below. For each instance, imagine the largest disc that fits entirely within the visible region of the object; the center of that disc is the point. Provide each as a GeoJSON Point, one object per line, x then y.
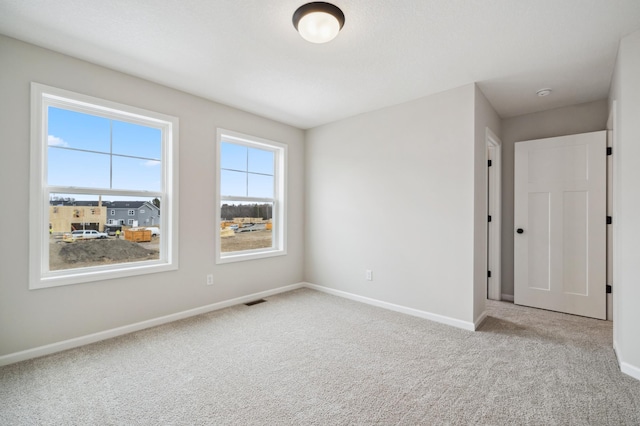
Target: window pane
{"type": "Point", "coordinates": [260, 186]}
{"type": "Point", "coordinates": [261, 161]}
{"type": "Point", "coordinates": [233, 183]}
{"type": "Point", "coordinates": [78, 130]}
{"type": "Point", "coordinates": [136, 140]}
{"type": "Point", "coordinates": [233, 156]}
{"type": "Point", "coordinates": [77, 168]}
{"type": "Point", "coordinates": [80, 235]}
{"type": "Point", "coordinates": [245, 226]}
{"type": "Point", "coordinates": [133, 173]}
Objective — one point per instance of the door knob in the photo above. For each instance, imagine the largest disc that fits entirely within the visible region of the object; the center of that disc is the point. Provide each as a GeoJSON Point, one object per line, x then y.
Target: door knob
{"type": "Point", "coordinates": [520, 231]}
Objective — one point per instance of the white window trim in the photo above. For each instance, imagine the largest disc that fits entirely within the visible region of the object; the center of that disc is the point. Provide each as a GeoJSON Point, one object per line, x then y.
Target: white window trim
{"type": "Point", "coordinates": [279, 237]}
{"type": "Point", "coordinates": [39, 275]}
{"type": "Point", "coordinates": [131, 212]}
{"type": "Point", "coordinates": [130, 221]}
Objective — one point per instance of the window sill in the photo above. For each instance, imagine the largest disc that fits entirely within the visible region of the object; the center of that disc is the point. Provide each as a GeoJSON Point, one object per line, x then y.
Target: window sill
{"type": "Point", "coordinates": [241, 256]}
{"type": "Point", "coordinates": [92, 274]}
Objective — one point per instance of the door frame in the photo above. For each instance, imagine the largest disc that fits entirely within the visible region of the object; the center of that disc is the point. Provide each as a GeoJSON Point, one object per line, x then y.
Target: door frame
{"type": "Point", "coordinates": [494, 208]}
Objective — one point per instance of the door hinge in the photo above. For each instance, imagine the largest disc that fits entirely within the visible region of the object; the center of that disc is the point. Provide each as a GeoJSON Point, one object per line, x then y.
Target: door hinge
{"type": "Point", "coordinates": [608, 289]}
{"type": "Point", "coordinates": [609, 220]}
{"type": "Point", "coordinates": [489, 218]}
{"type": "Point", "coordinates": [488, 274]}
{"type": "Point", "coordinates": [489, 163]}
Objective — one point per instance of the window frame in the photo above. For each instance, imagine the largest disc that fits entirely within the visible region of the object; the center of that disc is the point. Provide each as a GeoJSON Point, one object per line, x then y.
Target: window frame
{"type": "Point", "coordinates": [42, 97]}
{"type": "Point", "coordinates": [279, 216]}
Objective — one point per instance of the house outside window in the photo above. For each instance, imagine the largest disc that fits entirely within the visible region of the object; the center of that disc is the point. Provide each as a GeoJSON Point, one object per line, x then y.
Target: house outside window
{"type": "Point", "coordinates": [118, 152]}
{"type": "Point", "coordinates": [251, 197]}
{"type": "Point", "coordinates": [132, 212]}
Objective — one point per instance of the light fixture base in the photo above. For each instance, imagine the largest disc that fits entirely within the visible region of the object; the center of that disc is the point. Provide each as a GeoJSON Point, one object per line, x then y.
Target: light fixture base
{"type": "Point", "coordinates": [543, 92]}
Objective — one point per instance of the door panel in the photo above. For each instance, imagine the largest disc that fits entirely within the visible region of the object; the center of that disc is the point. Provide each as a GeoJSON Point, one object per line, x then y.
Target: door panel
{"type": "Point", "coordinates": [560, 203]}
{"type": "Point", "coordinates": [575, 243]}
{"type": "Point", "coordinates": [538, 241]}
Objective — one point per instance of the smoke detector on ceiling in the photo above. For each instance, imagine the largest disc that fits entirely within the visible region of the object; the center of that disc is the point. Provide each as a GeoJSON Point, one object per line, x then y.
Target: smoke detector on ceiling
{"type": "Point", "coordinates": [543, 92]}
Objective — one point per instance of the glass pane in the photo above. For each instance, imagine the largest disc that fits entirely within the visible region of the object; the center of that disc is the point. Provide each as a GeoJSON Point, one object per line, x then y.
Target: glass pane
{"type": "Point", "coordinates": [233, 183]}
{"type": "Point", "coordinates": [133, 173]}
{"type": "Point", "coordinates": [83, 232]}
{"type": "Point", "coordinates": [260, 161]}
{"type": "Point", "coordinates": [78, 130]}
{"type": "Point", "coordinates": [77, 168]}
{"type": "Point", "coordinates": [233, 157]}
{"type": "Point", "coordinates": [136, 140]}
{"type": "Point", "coordinates": [245, 226]}
{"type": "Point", "coordinates": [260, 186]}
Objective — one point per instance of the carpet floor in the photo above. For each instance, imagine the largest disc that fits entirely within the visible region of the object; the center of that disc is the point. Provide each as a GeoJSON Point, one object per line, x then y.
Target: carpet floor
{"type": "Point", "coordinates": [305, 357]}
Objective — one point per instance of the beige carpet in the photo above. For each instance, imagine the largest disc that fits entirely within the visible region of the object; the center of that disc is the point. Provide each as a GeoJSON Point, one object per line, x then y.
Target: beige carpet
{"type": "Point", "coordinates": [305, 357]}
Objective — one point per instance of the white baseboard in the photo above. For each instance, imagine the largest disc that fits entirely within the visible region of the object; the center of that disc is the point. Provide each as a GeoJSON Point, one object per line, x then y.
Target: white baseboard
{"type": "Point", "coordinates": [119, 331]}
{"type": "Point", "coordinates": [628, 369]}
{"type": "Point", "coordinates": [465, 325]}
{"type": "Point", "coordinates": [507, 297]}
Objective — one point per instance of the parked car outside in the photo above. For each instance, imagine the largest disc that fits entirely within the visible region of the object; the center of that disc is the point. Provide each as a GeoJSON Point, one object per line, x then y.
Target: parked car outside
{"type": "Point", "coordinates": [155, 232]}
{"type": "Point", "coordinates": [88, 234]}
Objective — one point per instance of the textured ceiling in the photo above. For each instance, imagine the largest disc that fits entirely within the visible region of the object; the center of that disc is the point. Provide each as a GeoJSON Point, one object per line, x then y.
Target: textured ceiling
{"type": "Point", "coordinates": [246, 53]}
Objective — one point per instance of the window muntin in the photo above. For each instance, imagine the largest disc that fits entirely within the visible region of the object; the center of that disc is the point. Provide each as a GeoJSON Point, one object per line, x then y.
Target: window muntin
{"type": "Point", "coordinates": [80, 151]}
{"type": "Point", "coordinates": [251, 197]}
{"type": "Point", "coordinates": [131, 212]}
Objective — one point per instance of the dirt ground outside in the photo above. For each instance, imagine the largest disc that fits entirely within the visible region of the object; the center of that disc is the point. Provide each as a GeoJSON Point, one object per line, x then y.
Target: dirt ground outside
{"type": "Point", "coordinates": [86, 253]}
{"type": "Point", "coordinates": [246, 241]}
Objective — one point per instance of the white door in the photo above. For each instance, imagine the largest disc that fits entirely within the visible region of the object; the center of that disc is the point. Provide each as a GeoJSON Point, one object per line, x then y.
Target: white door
{"type": "Point", "coordinates": [560, 224]}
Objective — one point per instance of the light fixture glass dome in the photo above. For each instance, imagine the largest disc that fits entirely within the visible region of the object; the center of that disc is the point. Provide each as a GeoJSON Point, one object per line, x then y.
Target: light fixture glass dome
{"type": "Point", "coordinates": [318, 22]}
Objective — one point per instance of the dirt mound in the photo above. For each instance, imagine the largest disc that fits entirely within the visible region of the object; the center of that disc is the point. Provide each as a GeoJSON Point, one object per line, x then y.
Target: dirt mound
{"type": "Point", "coordinates": [107, 251]}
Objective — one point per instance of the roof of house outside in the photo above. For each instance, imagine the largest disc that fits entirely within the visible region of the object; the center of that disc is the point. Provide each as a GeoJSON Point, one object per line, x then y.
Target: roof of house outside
{"type": "Point", "coordinates": [109, 204]}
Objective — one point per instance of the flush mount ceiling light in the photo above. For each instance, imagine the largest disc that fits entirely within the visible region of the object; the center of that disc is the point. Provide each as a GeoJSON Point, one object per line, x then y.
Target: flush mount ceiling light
{"type": "Point", "coordinates": [318, 22]}
{"type": "Point", "coordinates": [543, 92]}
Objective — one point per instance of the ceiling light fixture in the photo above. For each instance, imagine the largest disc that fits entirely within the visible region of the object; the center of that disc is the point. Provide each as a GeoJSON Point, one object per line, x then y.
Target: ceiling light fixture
{"type": "Point", "coordinates": [543, 92]}
{"type": "Point", "coordinates": [318, 22]}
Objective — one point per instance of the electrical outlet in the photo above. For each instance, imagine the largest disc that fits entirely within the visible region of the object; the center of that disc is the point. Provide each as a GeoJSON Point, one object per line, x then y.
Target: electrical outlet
{"type": "Point", "coordinates": [369, 275]}
{"type": "Point", "coordinates": [210, 279]}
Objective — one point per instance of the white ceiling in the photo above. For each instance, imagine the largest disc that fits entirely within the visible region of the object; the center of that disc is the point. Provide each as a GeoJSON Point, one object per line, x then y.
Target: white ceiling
{"type": "Point", "coordinates": [246, 53]}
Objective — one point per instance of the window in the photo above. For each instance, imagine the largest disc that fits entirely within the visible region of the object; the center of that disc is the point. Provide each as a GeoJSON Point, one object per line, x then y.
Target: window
{"type": "Point", "coordinates": [141, 211]}
{"type": "Point", "coordinates": [130, 221]}
{"type": "Point", "coordinates": [132, 212]}
{"type": "Point", "coordinates": [91, 152]}
{"type": "Point", "coordinates": [250, 197]}
{"type": "Point", "coordinates": [113, 212]}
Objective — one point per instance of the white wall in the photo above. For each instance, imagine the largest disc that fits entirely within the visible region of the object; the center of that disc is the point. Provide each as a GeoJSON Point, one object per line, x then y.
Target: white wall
{"type": "Point", "coordinates": [583, 118]}
{"type": "Point", "coordinates": [393, 191]}
{"type": "Point", "coordinates": [32, 318]}
{"type": "Point", "coordinates": [626, 156]}
{"type": "Point", "coordinates": [485, 117]}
